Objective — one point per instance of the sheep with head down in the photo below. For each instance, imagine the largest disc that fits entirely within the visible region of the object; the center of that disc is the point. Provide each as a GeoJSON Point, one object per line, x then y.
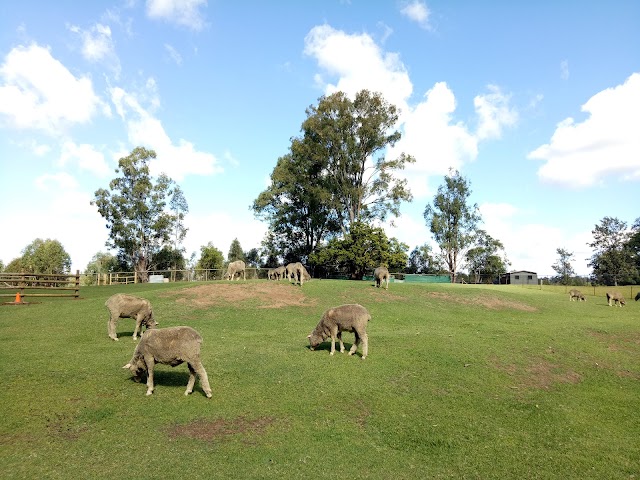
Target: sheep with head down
{"type": "Point", "coordinates": [170, 346]}
{"type": "Point", "coordinates": [122, 305]}
{"type": "Point", "coordinates": [381, 274]}
{"type": "Point", "coordinates": [345, 318]}
{"type": "Point", "coordinates": [234, 268]}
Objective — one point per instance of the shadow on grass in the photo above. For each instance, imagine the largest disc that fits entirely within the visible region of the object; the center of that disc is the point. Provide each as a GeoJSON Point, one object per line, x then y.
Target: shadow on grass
{"type": "Point", "coordinates": [177, 379]}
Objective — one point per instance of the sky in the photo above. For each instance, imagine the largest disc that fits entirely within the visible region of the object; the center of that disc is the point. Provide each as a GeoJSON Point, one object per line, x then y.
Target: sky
{"type": "Point", "coordinates": [536, 104]}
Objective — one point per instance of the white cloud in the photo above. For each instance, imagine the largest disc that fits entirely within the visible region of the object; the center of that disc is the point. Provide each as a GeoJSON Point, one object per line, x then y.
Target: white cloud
{"type": "Point", "coordinates": [418, 12]}
{"type": "Point", "coordinates": [532, 246]}
{"type": "Point", "coordinates": [607, 143]}
{"type": "Point", "coordinates": [176, 160]}
{"type": "Point", "coordinates": [185, 13]}
{"type": "Point", "coordinates": [358, 63]}
{"type": "Point", "coordinates": [221, 229]}
{"type": "Point", "coordinates": [97, 46]}
{"type": "Point", "coordinates": [39, 92]}
{"type": "Point", "coordinates": [85, 156]}
{"type": "Point", "coordinates": [494, 113]}
{"type": "Point", "coordinates": [564, 70]}
{"type": "Point", "coordinates": [59, 180]}
{"type": "Point", "coordinates": [173, 54]}
{"type": "Point", "coordinates": [432, 137]}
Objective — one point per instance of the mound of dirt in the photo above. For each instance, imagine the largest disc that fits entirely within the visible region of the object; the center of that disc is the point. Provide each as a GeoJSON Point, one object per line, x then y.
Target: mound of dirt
{"type": "Point", "coordinates": [258, 294]}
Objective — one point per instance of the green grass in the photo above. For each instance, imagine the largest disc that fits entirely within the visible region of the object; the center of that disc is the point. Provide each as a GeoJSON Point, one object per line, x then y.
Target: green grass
{"type": "Point", "coordinates": [461, 382]}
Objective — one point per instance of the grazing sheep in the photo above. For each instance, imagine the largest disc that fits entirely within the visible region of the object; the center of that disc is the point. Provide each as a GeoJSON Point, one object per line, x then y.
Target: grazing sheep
{"type": "Point", "coordinates": [575, 294]}
{"type": "Point", "coordinates": [280, 272]}
{"type": "Point", "coordinates": [345, 318]}
{"type": "Point", "coordinates": [235, 267]}
{"type": "Point", "coordinates": [299, 273]}
{"type": "Point", "coordinates": [290, 270]}
{"type": "Point", "coordinates": [617, 299]}
{"type": "Point", "coordinates": [271, 274]}
{"type": "Point", "coordinates": [381, 274]}
{"type": "Point", "coordinates": [169, 346]}
{"type": "Point", "coordinates": [121, 305]}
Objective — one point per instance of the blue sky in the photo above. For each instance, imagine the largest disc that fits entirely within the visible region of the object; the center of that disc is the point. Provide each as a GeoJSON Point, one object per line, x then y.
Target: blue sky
{"type": "Point", "coordinates": [537, 104]}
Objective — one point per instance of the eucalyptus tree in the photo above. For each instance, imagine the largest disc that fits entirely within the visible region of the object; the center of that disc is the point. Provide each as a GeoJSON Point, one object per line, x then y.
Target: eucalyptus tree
{"type": "Point", "coordinates": [135, 208]}
{"type": "Point", "coordinates": [335, 173]}
{"type": "Point", "coordinates": [612, 260]}
{"type": "Point", "coordinates": [452, 221]}
{"type": "Point", "coordinates": [487, 258]}
{"type": "Point", "coordinates": [45, 256]}
{"type": "Point", "coordinates": [563, 266]}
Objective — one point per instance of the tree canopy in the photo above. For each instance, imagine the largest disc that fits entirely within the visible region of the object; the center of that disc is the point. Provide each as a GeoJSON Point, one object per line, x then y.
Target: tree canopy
{"type": "Point", "coordinates": [563, 266]}
{"type": "Point", "coordinates": [486, 259]}
{"type": "Point", "coordinates": [335, 174]}
{"type": "Point", "coordinates": [452, 221]}
{"type": "Point", "coordinates": [41, 256]}
{"type": "Point", "coordinates": [235, 251]}
{"type": "Point", "coordinates": [210, 258]}
{"type": "Point", "coordinates": [135, 208]}
{"type": "Point", "coordinates": [612, 260]}
{"type": "Point", "coordinates": [361, 251]}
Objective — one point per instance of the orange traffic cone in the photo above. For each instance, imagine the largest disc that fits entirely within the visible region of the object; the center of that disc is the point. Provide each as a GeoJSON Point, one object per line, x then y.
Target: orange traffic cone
{"type": "Point", "coordinates": [18, 299]}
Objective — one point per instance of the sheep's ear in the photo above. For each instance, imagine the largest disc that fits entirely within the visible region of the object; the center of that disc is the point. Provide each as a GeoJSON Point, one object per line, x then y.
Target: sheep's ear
{"type": "Point", "coordinates": [309, 336]}
{"type": "Point", "coordinates": [128, 365]}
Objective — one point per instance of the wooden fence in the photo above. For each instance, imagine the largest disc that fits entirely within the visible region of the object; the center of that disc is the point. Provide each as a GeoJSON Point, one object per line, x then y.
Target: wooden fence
{"type": "Point", "coordinates": [40, 285]}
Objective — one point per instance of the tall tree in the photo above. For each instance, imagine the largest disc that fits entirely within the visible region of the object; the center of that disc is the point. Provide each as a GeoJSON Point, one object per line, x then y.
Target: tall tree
{"type": "Point", "coordinates": [45, 256]}
{"type": "Point", "coordinates": [612, 260]}
{"type": "Point", "coordinates": [335, 174]}
{"type": "Point", "coordinates": [135, 208]}
{"type": "Point", "coordinates": [633, 245]}
{"type": "Point", "coordinates": [452, 221]}
{"type": "Point", "coordinates": [563, 266]}
{"type": "Point", "coordinates": [353, 135]}
{"type": "Point", "coordinates": [235, 251]}
{"type": "Point", "coordinates": [297, 203]}
{"type": "Point", "coordinates": [487, 258]}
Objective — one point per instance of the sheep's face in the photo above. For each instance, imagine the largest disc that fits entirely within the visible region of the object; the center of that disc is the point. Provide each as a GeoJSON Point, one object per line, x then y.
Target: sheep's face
{"type": "Point", "coordinates": [315, 340]}
{"type": "Point", "coordinates": [137, 368]}
{"type": "Point", "coordinates": [150, 322]}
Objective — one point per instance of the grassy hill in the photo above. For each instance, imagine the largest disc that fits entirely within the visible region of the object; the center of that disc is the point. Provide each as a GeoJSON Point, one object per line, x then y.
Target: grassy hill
{"type": "Point", "coordinates": [461, 381]}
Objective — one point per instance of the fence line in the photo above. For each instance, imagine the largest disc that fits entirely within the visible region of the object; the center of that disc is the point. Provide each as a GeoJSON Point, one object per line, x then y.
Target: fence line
{"type": "Point", "coordinates": [28, 283]}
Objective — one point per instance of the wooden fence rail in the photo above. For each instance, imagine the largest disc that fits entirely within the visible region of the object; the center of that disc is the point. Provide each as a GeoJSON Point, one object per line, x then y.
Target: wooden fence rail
{"type": "Point", "coordinates": [29, 284]}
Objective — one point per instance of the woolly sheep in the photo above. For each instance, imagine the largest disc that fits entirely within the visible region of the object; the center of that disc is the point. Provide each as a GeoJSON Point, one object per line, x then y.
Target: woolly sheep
{"type": "Point", "coordinates": [235, 267]}
{"type": "Point", "coordinates": [577, 295]}
{"type": "Point", "coordinates": [299, 273]}
{"type": "Point", "coordinates": [122, 305]}
{"type": "Point", "coordinates": [381, 274]}
{"type": "Point", "coordinates": [345, 318]}
{"type": "Point", "coordinates": [617, 298]}
{"type": "Point", "coordinates": [169, 346]}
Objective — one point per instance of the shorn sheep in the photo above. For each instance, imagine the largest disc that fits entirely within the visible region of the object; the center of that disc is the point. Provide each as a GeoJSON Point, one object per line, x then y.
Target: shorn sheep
{"type": "Point", "coordinates": [576, 295]}
{"type": "Point", "coordinates": [616, 298]}
{"type": "Point", "coordinates": [169, 346]}
{"type": "Point", "coordinates": [122, 305]}
{"type": "Point", "coordinates": [345, 318]}
{"type": "Point", "coordinates": [235, 267]}
{"type": "Point", "coordinates": [380, 275]}
{"type": "Point", "coordinates": [299, 273]}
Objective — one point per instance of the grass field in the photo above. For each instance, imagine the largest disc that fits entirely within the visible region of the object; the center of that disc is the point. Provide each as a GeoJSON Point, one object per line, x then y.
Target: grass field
{"type": "Point", "coordinates": [462, 381]}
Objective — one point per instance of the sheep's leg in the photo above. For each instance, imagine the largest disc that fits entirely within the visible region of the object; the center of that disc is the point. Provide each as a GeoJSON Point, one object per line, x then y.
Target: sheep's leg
{"type": "Point", "coordinates": [334, 334]}
{"type": "Point", "coordinates": [192, 379]}
{"type": "Point", "coordinates": [354, 347]}
{"type": "Point", "coordinates": [204, 379]}
{"type": "Point", "coordinates": [150, 361]}
{"type": "Point", "coordinates": [111, 327]}
{"type": "Point", "coordinates": [342, 349]}
{"type": "Point", "coordinates": [387, 287]}
{"type": "Point", "coordinates": [138, 327]}
{"type": "Point", "coordinates": [365, 345]}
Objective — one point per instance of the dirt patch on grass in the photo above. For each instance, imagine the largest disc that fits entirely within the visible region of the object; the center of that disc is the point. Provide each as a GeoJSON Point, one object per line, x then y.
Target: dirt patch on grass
{"type": "Point", "coordinates": [618, 342]}
{"type": "Point", "coordinates": [538, 374]}
{"type": "Point", "coordinates": [490, 302]}
{"type": "Point", "coordinates": [260, 295]}
{"type": "Point", "coordinates": [221, 429]}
